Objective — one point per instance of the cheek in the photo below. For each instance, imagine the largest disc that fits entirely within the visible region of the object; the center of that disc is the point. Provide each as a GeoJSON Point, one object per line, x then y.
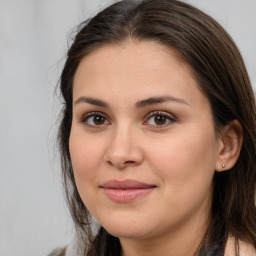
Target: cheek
{"type": "Point", "coordinates": [86, 158]}
{"type": "Point", "coordinates": [185, 166]}
{"type": "Point", "coordinates": [185, 158]}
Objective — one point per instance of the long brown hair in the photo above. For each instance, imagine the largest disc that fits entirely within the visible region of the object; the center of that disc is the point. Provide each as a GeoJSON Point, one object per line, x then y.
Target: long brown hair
{"type": "Point", "coordinates": [221, 75]}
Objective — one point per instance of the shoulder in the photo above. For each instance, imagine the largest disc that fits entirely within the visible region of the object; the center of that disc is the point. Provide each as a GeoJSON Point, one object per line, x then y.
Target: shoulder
{"type": "Point", "coordinates": [58, 252]}
{"type": "Point", "coordinates": [245, 249]}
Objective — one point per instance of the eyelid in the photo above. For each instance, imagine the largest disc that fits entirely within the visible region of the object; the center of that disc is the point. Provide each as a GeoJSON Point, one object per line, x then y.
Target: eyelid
{"type": "Point", "coordinates": [171, 117]}
{"type": "Point", "coordinates": [91, 114]}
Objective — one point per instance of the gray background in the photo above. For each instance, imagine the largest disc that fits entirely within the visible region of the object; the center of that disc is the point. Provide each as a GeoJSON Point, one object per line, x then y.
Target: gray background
{"type": "Point", "coordinates": [33, 41]}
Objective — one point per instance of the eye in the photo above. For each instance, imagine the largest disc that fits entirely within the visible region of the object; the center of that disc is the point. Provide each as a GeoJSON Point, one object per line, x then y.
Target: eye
{"type": "Point", "coordinates": [95, 119]}
{"type": "Point", "coordinates": [159, 119]}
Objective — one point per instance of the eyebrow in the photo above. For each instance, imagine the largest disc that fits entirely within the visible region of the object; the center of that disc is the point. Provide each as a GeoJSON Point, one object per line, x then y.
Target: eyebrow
{"type": "Point", "coordinates": [158, 100]}
{"type": "Point", "coordinates": [139, 104]}
{"type": "Point", "coordinates": [92, 101]}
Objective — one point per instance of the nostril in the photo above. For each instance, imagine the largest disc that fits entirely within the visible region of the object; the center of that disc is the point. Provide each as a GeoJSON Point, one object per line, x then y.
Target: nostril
{"type": "Point", "coordinates": [122, 165]}
{"type": "Point", "coordinates": [109, 162]}
{"type": "Point", "coordinates": [129, 162]}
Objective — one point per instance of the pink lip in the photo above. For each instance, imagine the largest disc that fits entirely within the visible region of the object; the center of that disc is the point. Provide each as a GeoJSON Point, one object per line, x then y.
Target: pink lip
{"type": "Point", "coordinates": [126, 190]}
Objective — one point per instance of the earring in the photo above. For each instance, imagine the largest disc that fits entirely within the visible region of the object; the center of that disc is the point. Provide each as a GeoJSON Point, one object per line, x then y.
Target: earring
{"type": "Point", "coordinates": [223, 166]}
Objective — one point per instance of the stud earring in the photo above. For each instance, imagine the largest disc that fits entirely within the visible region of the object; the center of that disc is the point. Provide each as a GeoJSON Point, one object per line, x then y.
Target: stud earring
{"type": "Point", "coordinates": [223, 166]}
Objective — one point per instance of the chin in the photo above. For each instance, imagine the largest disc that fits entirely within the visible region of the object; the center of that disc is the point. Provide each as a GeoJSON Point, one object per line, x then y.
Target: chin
{"type": "Point", "coordinates": [129, 230]}
{"type": "Point", "coordinates": [128, 234]}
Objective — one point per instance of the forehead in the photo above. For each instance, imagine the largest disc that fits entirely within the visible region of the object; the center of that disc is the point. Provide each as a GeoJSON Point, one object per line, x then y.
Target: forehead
{"type": "Point", "coordinates": [146, 55]}
{"type": "Point", "coordinates": [135, 68]}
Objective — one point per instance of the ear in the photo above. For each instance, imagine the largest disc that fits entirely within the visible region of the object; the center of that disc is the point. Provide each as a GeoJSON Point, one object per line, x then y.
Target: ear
{"type": "Point", "coordinates": [230, 144]}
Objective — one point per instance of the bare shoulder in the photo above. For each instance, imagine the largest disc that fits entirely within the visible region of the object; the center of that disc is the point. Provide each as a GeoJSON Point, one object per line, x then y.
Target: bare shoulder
{"type": "Point", "coordinates": [245, 249]}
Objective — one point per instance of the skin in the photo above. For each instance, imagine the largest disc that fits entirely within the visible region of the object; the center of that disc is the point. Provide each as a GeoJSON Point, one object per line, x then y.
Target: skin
{"type": "Point", "coordinates": [178, 157]}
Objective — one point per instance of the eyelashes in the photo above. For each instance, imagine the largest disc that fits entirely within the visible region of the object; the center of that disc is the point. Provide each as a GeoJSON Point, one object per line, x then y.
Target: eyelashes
{"type": "Point", "coordinates": [157, 119]}
{"type": "Point", "coordinates": [96, 119]}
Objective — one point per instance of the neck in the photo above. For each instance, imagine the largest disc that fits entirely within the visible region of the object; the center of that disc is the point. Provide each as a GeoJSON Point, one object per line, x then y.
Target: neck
{"type": "Point", "coordinates": [184, 241]}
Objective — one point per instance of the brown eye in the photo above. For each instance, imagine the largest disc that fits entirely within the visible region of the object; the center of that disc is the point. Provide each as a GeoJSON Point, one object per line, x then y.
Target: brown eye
{"type": "Point", "coordinates": [160, 120]}
{"type": "Point", "coordinates": [98, 120]}
{"type": "Point", "coordinates": [95, 119]}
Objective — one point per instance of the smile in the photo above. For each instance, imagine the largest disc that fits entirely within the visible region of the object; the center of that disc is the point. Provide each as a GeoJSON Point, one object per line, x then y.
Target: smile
{"type": "Point", "coordinates": [126, 191]}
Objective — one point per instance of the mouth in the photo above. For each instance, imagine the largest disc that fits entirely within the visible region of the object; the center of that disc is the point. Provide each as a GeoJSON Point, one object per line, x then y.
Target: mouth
{"type": "Point", "coordinates": [126, 191]}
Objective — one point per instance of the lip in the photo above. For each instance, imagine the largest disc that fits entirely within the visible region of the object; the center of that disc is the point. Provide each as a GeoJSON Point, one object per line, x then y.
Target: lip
{"type": "Point", "coordinates": [126, 190]}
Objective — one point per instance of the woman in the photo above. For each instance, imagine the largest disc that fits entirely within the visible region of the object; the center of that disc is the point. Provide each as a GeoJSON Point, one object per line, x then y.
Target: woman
{"type": "Point", "coordinates": [157, 136]}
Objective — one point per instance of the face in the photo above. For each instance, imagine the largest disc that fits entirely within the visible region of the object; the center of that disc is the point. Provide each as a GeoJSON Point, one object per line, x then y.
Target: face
{"type": "Point", "coordinates": [142, 144]}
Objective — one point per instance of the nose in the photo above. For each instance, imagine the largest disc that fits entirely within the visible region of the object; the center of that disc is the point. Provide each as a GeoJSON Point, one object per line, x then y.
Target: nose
{"type": "Point", "coordinates": [123, 149]}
